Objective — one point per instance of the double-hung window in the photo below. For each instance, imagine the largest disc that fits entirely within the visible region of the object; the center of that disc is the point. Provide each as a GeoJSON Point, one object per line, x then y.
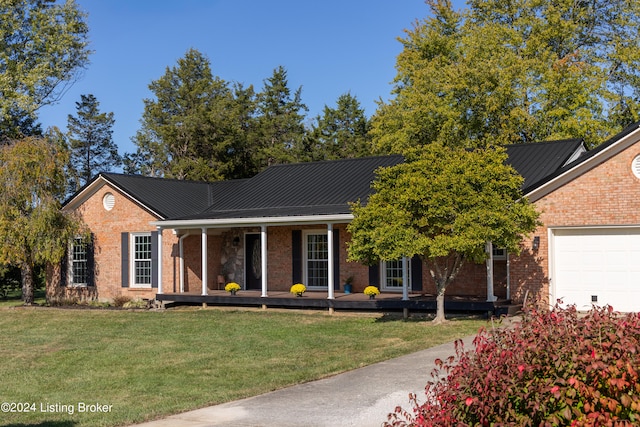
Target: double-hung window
{"type": "Point", "coordinates": [79, 263]}
{"type": "Point", "coordinates": [141, 259]}
{"type": "Point", "coordinates": [316, 260]}
{"type": "Point", "coordinates": [392, 274]}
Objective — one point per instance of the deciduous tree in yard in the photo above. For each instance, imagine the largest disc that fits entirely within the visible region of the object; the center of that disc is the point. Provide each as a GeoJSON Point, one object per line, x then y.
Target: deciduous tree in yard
{"type": "Point", "coordinates": [442, 204]}
{"type": "Point", "coordinates": [33, 230]}
{"type": "Point", "coordinates": [44, 46]}
{"type": "Point", "coordinates": [514, 72]}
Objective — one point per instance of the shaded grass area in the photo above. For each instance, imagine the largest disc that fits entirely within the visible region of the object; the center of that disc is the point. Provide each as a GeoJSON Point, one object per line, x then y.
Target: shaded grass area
{"type": "Point", "coordinates": [14, 298]}
{"type": "Point", "coordinates": [148, 364]}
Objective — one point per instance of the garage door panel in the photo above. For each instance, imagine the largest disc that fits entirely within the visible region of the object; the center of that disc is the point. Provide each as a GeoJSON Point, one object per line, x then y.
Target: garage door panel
{"type": "Point", "coordinates": [601, 263]}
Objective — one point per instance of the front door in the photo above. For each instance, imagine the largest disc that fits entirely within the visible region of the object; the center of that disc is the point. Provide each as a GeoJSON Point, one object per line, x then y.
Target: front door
{"type": "Point", "coordinates": [253, 261]}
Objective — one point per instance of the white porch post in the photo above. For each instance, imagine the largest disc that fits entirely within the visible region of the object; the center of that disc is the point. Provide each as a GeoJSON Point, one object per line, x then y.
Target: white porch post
{"type": "Point", "coordinates": [405, 279]}
{"type": "Point", "coordinates": [181, 248]}
{"type": "Point", "coordinates": [263, 258]}
{"type": "Point", "coordinates": [508, 276]}
{"type": "Point", "coordinates": [159, 260]}
{"type": "Point", "coordinates": [490, 296]}
{"type": "Point", "coordinates": [330, 270]}
{"type": "Point", "coordinates": [204, 261]}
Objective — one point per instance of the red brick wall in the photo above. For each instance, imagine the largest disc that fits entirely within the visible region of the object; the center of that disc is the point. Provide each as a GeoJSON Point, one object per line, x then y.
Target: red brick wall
{"type": "Point", "coordinates": [605, 195]}
{"type": "Point", "coordinates": [192, 249]}
{"type": "Point", "coordinates": [279, 250]}
{"type": "Point", "coordinates": [127, 216]}
{"type": "Point", "coordinates": [107, 226]}
{"type": "Point", "coordinates": [471, 281]}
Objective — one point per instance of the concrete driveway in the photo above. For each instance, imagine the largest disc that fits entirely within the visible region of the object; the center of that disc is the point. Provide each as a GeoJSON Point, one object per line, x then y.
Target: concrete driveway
{"type": "Point", "coordinates": [359, 398]}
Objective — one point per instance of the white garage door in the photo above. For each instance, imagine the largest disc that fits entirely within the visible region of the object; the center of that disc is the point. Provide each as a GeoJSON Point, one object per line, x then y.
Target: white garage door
{"type": "Point", "coordinates": [597, 266]}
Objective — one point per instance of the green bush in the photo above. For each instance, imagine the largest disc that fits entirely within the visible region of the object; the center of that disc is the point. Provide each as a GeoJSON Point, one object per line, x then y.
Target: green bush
{"type": "Point", "coordinates": [554, 368]}
{"type": "Point", "coordinates": [98, 304]}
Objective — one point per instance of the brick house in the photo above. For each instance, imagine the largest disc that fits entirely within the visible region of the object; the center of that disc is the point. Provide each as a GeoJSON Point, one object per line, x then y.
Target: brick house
{"type": "Point", "coordinates": [588, 249]}
{"type": "Point", "coordinates": [288, 224]}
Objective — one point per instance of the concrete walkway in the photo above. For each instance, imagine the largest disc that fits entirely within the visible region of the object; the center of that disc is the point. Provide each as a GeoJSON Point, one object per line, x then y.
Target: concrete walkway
{"type": "Point", "coordinates": [359, 398]}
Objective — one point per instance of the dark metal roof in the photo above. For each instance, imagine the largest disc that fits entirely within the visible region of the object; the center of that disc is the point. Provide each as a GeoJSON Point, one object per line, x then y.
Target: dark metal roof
{"type": "Point", "coordinates": [538, 160]}
{"type": "Point", "coordinates": [171, 197]}
{"type": "Point", "coordinates": [314, 188]}
{"type": "Point", "coordinates": [301, 189]}
{"type": "Point", "coordinates": [589, 154]}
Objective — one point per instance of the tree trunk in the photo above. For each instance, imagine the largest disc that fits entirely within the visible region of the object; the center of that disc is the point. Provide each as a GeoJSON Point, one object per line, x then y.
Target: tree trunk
{"type": "Point", "coordinates": [440, 304]}
{"type": "Point", "coordinates": [443, 270]}
{"type": "Point", "coordinates": [26, 270]}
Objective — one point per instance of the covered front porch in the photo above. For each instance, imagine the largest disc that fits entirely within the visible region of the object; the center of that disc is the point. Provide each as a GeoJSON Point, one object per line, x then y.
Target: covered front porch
{"type": "Point", "coordinates": [265, 257]}
{"type": "Point", "coordinates": [317, 300]}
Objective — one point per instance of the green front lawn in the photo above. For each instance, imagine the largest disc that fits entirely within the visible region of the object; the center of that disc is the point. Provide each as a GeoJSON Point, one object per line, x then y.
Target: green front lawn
{"type": "Point", "coordinates": [14, 298]}
{"type": "Point", "coordinates": [148, 364]}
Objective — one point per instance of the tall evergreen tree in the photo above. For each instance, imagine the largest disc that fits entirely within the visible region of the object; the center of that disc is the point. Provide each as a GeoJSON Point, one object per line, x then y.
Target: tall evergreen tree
{"type": "Point", "coordinates": [514, 71]}
{"type": "Point", "coordinates": [44, 46]}
{"type": "Point", "coordinates": [186, 130]}
{"type": "Point", "coordinates": [91, 143]}
{"type": "Point", "coordinates": [241, 160]}
{"type": "Point", "coordinates": [342, 132]}
{"type": "Point", "coordinates": [280, 120]}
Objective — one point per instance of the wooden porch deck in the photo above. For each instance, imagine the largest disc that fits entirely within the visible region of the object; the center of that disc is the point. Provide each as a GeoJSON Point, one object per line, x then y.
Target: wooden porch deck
{"type": "Point", "coordinates": [347, 302]}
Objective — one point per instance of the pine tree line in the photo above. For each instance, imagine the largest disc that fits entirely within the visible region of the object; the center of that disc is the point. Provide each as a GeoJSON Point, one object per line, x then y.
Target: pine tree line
{"type": "Point", "coordinates": [201, 127]}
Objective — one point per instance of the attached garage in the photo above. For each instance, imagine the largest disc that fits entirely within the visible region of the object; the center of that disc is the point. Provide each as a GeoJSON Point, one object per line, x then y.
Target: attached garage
{"type": "Point", "coordinates": [596, 266]}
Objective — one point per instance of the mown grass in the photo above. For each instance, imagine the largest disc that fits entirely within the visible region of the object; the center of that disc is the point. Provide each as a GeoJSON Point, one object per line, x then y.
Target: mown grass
{"type": "Point", "coordinates": [13, 298]}
{"type": "Point", "coordinates": [148, 364]}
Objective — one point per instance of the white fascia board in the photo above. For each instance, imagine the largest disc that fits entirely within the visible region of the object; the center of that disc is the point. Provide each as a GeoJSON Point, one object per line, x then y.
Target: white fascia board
{"type": "Point", "coordinates": [81, 197]}
{"type": "Point", "coordinates": [85, 194]}
{"type": "Point", "coordinates": [254, 222]}
{"type": "Point", "coordinates": [581, 168]}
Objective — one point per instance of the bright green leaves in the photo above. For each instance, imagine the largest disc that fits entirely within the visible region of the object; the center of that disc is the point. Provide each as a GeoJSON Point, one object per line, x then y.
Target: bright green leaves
{"type": "Point", "coordinates": [440, 202]}
{"type": "Point", "coordinates": [514, 71]}
{"type": "Point", "coordinates": [43, 45]}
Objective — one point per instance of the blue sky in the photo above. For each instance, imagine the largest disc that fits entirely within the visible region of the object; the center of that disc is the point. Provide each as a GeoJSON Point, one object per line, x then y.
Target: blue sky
{"type": "Point", "coordinates": [328, 47]}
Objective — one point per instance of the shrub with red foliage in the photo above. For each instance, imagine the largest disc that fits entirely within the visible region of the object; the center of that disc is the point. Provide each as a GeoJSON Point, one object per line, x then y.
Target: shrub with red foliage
{"type": "Point", "coordinates": [553, 368]}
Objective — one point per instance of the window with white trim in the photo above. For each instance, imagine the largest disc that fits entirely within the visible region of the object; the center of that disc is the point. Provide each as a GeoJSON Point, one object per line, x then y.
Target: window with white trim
{"type": "Point", "coordinates": [140, 259]}
{"type": "Point", "coordinates": [316, 260]}
{"type": "Point", "coordinates": [499, 253]}
{"type": "Point", "coordinates": [79, 263]}
{"type": "Point", "coordinates": [391, 274]}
